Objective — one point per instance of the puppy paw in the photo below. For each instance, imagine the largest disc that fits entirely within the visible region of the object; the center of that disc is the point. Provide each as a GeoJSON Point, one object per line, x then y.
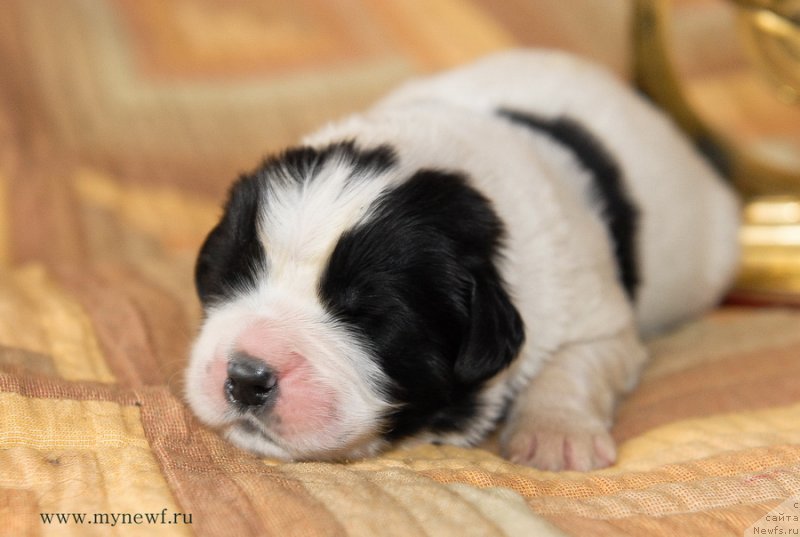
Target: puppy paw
{"type": "Point", "coordinates": [559, 445]}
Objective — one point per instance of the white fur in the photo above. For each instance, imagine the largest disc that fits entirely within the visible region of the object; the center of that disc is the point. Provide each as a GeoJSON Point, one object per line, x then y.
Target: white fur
{"type": "Point", "coordinates": [558, 261]}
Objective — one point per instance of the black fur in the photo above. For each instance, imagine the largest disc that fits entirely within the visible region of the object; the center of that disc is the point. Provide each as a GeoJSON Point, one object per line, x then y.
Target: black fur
{"type": "Point", "coordinates": [619, 211]}
{"type": "Point", "coordinates": [418, 283]}
{"type": "Point", "coordinates": [232, 257]}
{"type": "Point", "coordinates": [302, 164]}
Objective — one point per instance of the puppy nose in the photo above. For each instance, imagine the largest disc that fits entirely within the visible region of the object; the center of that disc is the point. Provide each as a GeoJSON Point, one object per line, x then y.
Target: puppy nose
{"type": "Point", "coordinates": [250, 383]}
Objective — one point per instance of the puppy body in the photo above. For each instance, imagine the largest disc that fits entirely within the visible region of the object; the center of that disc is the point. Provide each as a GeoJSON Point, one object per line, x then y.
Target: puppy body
{"type": "Point", "coordinates": [585, 220]}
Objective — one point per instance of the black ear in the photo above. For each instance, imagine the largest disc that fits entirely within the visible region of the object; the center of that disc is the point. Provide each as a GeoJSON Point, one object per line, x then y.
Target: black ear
{"type": "Point", "coordinates": [232, 254]}
{"type": "Point", "coordinates": [210, 262]}
{"type": "Point", "coordinates": [496, 331]}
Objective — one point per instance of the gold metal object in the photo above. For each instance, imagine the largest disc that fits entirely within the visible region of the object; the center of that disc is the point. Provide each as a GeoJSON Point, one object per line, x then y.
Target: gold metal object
{"type": "Point", "coordinates": [772, 32]}
{"type": "Point", "coordinates": [771, 249]}
{"type": "Point", "coordinates": [768, 34]}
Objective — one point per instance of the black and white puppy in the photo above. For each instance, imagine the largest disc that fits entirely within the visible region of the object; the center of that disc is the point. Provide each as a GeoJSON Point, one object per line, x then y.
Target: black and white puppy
{"type": "Point", "coordinates": [489, 242]}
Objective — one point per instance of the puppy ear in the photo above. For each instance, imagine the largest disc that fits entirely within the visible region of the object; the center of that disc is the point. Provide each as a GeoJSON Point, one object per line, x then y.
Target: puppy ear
{"type": "Point", "coordinates": [208, 267]}
{"type": "Point", "coordinates": [232, 256]}
{"type": "Point", "coordinates": [495, 332]}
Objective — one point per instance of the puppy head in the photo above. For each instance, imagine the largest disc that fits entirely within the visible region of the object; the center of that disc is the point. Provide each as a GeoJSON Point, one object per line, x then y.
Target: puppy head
{"type": "Point", "coordinates": [348, 306]}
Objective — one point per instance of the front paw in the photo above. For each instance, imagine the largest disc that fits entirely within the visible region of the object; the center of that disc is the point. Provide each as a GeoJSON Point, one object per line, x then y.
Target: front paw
{"type": "Point", "coordinates": [555, 444]}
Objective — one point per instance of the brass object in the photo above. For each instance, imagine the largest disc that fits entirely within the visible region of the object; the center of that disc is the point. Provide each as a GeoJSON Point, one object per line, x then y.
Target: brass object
{"type": "Point", "coordinates": [772, 32]}
{"type": "Point", "coordinates": [763, 53]}
{"type": "Point", "coordinates": [770, 238]}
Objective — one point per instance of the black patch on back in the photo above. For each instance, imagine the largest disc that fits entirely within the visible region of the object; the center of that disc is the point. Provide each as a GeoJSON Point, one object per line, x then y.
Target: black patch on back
{"type": "Point", "coordinates": [716, 155]}
{"type": "Point", "coordinates": [418, 283]}
{"type": "Point", "coordinates": [232, 257]}
{"type": "Point", "coordinates": [621, 215]}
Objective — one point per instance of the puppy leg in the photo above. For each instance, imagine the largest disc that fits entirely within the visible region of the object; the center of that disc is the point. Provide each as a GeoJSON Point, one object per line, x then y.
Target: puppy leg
{"type": "Point", "coordinates": [562, 419]}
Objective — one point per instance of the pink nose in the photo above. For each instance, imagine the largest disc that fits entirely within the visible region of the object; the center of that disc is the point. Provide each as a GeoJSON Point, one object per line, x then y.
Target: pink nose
{"type": "Point", "coordinates": [264, 354]}
{"type": "Point", "coordinates": [251, 383]}
{"type": "Point", "coordinates": [272, 369]}
{"type": "Point", "coordinates": [273, 344]}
